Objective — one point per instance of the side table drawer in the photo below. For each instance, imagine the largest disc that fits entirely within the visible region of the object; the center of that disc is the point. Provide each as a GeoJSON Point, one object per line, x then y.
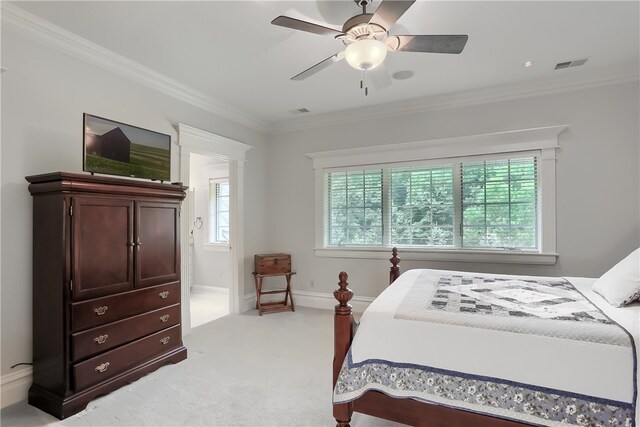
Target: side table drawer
{"type": "Point", "coordinates": [111, 363]}
{"type": "Point", "coordinates": [272, 263]}
{"type": "Point", "coordinates": [103, 338]}
{"type": "Point", "coordinates": [101, 311]}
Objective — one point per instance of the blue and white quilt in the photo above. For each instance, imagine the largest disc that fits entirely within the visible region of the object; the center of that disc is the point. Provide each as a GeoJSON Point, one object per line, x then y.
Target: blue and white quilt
{"type": "Point", "coordinates": [530, 349]}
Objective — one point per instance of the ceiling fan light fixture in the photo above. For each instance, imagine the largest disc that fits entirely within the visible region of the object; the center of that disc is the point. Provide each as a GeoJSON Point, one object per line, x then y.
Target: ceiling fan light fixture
{"type": "Point", "coordinates": [365, 54]}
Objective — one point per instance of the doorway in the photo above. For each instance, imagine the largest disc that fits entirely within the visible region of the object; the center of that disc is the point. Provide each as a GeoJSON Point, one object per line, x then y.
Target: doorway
{"type": "Point", "coordinates": [209, 261]}
{"type": "Point", "coordinates": [217, 150]}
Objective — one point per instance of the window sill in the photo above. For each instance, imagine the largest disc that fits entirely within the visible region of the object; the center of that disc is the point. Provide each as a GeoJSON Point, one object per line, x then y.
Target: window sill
{"type": "Point", "coordinates": [499, 257]}
{"type": "Point", "coordinates": [216, 247]}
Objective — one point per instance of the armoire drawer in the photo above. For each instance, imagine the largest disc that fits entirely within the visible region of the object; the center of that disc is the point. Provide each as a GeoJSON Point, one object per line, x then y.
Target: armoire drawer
{"type": "Point", "coordinates": [101, 311]}
{"type": "Point", "coordinates": [116, 361]}
{"type": "Point", "coordinates": [103, 338]}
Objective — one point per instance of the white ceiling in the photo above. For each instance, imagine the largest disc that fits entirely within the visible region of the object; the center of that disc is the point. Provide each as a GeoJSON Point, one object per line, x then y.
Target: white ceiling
{"type": "Point", "coordinates": [229, 51]}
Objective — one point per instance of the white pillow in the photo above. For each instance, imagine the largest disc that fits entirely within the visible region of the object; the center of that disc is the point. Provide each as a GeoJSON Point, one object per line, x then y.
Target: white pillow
{"type": "Point", "coordinates": [621, 285]}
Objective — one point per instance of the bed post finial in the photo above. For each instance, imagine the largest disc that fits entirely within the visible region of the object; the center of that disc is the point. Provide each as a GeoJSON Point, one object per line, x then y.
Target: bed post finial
{"type": "Point", "coordinates": [395, 270]}
{"type": "Point", "coordinates": [343, 295]}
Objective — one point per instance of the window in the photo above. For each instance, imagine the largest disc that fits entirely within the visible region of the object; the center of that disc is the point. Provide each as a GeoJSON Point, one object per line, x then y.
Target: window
{"type": "Point", "coordinates": [488, 198]}
{"type": "Point", "coordinates": [497, 205]}
{"type": "Point", "coordinates": [219, 210]}
{"type": "Point", "coordinates": [422, 208]}
{"type": "Point", "coordinates": [355, 208]}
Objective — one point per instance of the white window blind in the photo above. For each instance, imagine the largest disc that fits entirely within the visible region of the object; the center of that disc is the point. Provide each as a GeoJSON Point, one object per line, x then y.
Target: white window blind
{"type": "Point", "coordinates": [471, 203]}
{"type": "Point", "coordinates": [219, 210]}
{"type": "Point", "coordinates": [499, 203]}
{"type": "Point", "coordinates": [422, 208]}
{"type": "Point", "coordinates": [354, 208]}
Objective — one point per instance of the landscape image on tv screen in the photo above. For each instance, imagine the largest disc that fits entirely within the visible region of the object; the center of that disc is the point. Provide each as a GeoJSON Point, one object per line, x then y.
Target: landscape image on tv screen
{"type": "Point", "coordinates": [119, 149]}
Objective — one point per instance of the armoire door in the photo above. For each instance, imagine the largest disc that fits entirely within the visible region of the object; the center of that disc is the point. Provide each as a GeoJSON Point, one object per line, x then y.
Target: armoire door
{"type": "Point", "coordinates": [157, 243]}
{"type": "Point", "coordinates": [102, 246]}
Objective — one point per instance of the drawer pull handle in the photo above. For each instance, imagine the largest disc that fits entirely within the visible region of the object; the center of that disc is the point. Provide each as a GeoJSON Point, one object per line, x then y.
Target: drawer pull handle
{"type": "Point", "coordinates": [164, 294]}
{"type": "Point", "coordinates": [103, 367]}
{"type": "Point", "coordinates": [164, 318]}
{"type": "Point", "coordinates": [100, 310]}
{"type": "Point", "coordinates": [165, 340]}
{"type": "Point", "coordinates": [101, 339]}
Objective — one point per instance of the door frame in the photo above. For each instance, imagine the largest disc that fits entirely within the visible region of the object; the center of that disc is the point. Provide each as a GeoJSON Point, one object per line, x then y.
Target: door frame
{"type": "Point", "coordinates": [193, 140]}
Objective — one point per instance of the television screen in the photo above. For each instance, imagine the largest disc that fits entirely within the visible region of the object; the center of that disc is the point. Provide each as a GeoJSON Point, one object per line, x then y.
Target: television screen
{"type": "Point", "coordinates": [119, 149]}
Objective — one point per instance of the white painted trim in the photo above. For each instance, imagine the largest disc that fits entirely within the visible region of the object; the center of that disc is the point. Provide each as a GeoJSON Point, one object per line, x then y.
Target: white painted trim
{"type": "Point", "coordinates": [31, 26]}
{"type": "Point", "coordinates": [192, 140]}
{"type": "Point", "coordinates": [446, 255]}
{"type": "Point", "coordinates": [248, 303]}
{"type": "Point", "coordinates": [547, 200]}
{"type": "Point", "coordinates": [468, 145]}
{"type": "Point", "coordinates": [216, 247]}
{"type": "Point", "coordinates": [327, 301]}
{"type": "Point", "coordinates": [210, 144]}
{"type": "Point", "coordinates": [14, 387]}
{"type": "Point", "coordinates": [542, 141]}
{"type": "Point", "coordinates": [558, 83]}
{"type": "Point", "coordinates": [320, 300]}
{"type": "Point", "coordinates": [203, 289]}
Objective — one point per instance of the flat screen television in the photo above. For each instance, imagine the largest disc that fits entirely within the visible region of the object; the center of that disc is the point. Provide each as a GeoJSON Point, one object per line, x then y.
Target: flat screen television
{"type": "Point", "coordinates": [116, 148]}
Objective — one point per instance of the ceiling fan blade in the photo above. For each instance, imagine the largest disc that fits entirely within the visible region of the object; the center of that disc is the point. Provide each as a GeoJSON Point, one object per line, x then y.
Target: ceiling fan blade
{"type": "Point", "coordinates": [390, 11]}
{"type": "Point", "coordinates": [319, 66]}
{"type": "Point", "coordinates": [380, 77]}
{"type": "Point", "coordinates": [298, 24]}
{"type": "Point", "coordinates": [430, 44]}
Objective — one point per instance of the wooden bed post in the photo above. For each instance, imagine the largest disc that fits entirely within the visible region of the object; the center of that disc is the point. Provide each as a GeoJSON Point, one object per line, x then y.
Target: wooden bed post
{"type": "Point", "coordinates": [343, 334]}
{"type": "Point", "coordinates": [395, 270]}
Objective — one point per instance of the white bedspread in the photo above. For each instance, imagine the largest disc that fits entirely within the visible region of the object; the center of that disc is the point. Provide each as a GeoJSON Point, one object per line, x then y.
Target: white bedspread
{"type": "Point", "coordinates": [588, 368]}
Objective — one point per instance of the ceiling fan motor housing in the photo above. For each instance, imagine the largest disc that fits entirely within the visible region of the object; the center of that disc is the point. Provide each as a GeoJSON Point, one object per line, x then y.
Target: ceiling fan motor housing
{"type": "Point", "coordinates": [354, 21]}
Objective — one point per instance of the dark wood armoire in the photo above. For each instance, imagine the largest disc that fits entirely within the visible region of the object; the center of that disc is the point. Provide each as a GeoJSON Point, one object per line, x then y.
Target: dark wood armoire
{"type": "Point", "coordinates": [106, 285]}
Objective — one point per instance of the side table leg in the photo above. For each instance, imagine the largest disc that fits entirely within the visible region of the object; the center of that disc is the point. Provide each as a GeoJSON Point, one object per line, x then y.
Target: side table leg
{"type": "Point", "coordinates": [288, 293]}
{"type": "Point", "coordinates": [258, 281]}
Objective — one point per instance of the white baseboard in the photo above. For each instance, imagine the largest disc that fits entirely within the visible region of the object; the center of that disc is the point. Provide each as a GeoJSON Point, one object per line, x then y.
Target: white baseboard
{"type": "Point", "coordinates": [14, 387]}
{"type": "Point", "coordinates": [202, 289]}
{"type": "Point", "coordinates": [327, 301]}
{"type": "Point", "coordinates": [321, 300]}
{"type": "Point", "coordinates": [249, 303]}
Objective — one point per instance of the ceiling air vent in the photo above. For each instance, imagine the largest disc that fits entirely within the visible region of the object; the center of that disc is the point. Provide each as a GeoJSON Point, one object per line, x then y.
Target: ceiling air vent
{"type": "Point", "coordinates": [574, 63]}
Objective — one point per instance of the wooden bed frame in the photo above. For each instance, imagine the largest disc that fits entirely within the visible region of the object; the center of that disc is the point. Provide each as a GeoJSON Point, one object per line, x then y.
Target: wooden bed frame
{"type": "Point", "coordinates": [380, 405]}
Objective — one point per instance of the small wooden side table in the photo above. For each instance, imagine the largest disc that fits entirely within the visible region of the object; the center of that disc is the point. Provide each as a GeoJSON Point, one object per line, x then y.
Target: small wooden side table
{"type": "Point", "coordinates": [268, 307]}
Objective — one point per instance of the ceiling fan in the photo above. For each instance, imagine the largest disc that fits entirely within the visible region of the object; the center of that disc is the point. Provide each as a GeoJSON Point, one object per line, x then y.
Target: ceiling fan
{"type": "Point", "coordinates": [367, 40]}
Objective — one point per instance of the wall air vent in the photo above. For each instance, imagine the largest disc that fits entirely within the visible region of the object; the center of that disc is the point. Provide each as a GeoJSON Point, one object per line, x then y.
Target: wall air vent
{"type": "Point", "coordinates": [568, 64]}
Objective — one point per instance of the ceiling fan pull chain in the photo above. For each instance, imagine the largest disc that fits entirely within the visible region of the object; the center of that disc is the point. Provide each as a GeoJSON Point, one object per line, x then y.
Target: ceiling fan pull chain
{"type": "Point", "coordinates": [366, 84]}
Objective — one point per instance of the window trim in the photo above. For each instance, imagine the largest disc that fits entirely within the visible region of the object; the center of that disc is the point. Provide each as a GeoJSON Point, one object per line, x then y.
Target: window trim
{"type": "Point", "coordinates": [543, 141]}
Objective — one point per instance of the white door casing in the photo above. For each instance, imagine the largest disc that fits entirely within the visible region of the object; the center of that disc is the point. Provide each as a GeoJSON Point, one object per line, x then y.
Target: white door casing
{"type": "Point", "coordinates": [193, 140]}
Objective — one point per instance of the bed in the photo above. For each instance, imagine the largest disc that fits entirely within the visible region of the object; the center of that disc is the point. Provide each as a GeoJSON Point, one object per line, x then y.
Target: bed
{"type": "Point", "coordinates": [449, 348]}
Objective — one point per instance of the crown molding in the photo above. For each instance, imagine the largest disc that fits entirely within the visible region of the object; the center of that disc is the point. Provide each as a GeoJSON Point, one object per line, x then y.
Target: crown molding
{"type": "Point", "coordinates": [557, 84]}
{"type": "Point", "coordinates": [21, 22]}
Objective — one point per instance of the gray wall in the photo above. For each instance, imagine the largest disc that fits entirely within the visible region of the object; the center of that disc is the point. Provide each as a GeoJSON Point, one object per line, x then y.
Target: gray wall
{"type": "Point", "coordinates": [598, 186]}
{"type": "Point", "coordinates": [44, 94]}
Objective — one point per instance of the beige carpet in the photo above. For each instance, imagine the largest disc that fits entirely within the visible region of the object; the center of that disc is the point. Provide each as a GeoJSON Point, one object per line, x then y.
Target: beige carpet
{"type": "Point", "coordinates": [242, 370]}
